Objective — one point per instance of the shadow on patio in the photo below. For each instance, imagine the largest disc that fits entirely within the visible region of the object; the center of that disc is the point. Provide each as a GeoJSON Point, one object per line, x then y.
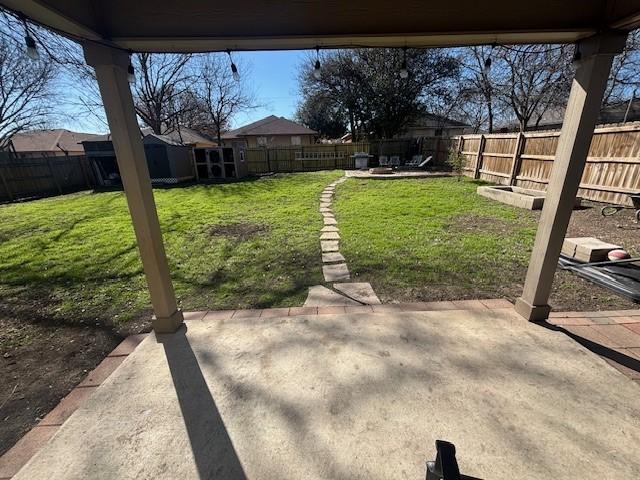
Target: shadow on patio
{"type": "Point", "coordinates": [211, 446]}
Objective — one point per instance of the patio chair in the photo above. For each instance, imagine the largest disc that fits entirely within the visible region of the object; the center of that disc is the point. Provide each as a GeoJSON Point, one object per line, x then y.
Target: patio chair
{"type": "Point", "coordinates": [425, 162]}
{"type": "Point", "coordinates": [395, 161]}
{"type": "Point", "coordinates": [383, 161]}
{"type": "Point", "coordinates": [414, 162]}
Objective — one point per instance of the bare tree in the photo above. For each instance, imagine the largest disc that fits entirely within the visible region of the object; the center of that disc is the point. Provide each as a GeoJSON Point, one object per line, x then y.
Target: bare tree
{"type": "Point", "coordinates": [480, 84]}
{"type": "Point", "coordinates": [624, 80]}
{"type": "Point", "coordinates": [538, 78]}
{"type": "Point", "coordinates": [161, 79]}
{"type": "Point", "coordinates": [25, 91]}
{"type": "Point", "coordinates": [217, 97]}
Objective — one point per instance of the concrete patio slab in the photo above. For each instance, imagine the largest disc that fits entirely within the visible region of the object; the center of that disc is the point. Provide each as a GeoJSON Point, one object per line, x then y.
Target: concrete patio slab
{"type": "Point", "coordinates": [332, 257]}
{"type": "Point", "coordinates": [353, 396]}
{"type": "Point", "coordinates": [320, 296]}
{"type": "Point", "coordinates": [359, 291]}
{"type": "Point", "coordinates": [335, 272]}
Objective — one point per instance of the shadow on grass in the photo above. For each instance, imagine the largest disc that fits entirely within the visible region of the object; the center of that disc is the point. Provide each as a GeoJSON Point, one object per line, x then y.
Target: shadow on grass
{"type": "Point", "coordinates": [212, 448]}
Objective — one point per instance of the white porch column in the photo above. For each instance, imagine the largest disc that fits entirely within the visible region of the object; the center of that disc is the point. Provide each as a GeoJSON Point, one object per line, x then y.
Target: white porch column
{"type": "Point", "coordinates": [111, 72]}
{"type": "Point", "coordinates": [573, 146]}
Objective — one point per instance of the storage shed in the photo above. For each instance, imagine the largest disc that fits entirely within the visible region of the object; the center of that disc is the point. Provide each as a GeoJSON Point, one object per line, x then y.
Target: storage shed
{"type": "Point", "coordinates": [169, 160]}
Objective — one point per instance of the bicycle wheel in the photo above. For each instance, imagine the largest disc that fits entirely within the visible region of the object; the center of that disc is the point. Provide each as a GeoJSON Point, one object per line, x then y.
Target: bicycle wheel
{"type": "Point", "coordinates": [609, 210]}
{"type": "Point", "coordinates": [637, 216]}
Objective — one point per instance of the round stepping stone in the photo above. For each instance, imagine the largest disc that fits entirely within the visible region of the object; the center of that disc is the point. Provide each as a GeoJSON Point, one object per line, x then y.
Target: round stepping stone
{"type": "Point", "coordinates": [327, 215]}
{"type": "Point", "coordinates": [329, 228]}
{"type": "Point", "coordinates": [330, 221]}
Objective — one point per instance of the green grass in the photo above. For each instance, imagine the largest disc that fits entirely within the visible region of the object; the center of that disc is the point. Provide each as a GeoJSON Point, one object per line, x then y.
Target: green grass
{"type": "Point", "coordinates": [250, 244]}
{"type": "Point", "coordinates": [432, 239]}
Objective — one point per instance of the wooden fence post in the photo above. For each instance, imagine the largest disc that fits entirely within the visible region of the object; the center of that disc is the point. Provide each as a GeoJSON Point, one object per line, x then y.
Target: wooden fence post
{"type": "Point", "coordinates": [515, 165]}
{"type": "Point", "coordinates": [5, 184]}
{"type": "Point", "coordinates": [53, 176]}
{"type": "Point", "coordinates": [476, 173]}
{"type": "Point", "coordinates": [84, 172]}
{"type": "Point", "coordinates": [266, 154]}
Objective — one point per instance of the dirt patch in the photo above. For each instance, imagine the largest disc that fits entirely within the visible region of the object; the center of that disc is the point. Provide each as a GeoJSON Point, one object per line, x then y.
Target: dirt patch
{"type": "Point", "coordinates": [238, 232]}
{"type": "Point", "coordinates": [41, 363]}
{"type": "Point", "coordinates": [620, 228]}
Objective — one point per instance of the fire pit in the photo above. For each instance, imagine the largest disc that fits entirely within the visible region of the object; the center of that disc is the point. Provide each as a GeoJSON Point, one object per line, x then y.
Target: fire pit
{"type": "Point", "coordinates": [381, 170]}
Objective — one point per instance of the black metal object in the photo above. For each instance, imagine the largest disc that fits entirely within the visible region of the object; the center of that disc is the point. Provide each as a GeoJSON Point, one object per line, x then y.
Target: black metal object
{"type": "Point", "coordinates": [445, 466]}
{"type": "Point", "coordinates": [609, 210]}
{"type": "Point", "coordinates": [620, 276]}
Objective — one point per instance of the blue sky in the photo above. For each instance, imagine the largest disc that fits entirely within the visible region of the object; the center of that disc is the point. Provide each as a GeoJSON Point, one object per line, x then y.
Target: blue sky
{"type": "Point", "coordinates": [271, 75]}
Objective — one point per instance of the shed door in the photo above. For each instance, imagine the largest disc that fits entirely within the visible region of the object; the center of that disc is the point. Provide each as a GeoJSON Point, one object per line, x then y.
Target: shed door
{"type": "Point", "coordinates": [158, 161]}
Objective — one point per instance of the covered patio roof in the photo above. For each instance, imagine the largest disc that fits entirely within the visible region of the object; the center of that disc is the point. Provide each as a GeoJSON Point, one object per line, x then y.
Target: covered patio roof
{"type": "Point", "coordinates": [200, 25]}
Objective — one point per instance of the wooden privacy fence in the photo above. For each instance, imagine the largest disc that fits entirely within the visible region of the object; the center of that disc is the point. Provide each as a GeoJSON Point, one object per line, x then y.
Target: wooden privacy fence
{"type": "Point", "coordinates": [525, 160]}
{"type": "Point", "coordinates": [339, 156]}
{"type": "Point", "coordinates": [42, 176]}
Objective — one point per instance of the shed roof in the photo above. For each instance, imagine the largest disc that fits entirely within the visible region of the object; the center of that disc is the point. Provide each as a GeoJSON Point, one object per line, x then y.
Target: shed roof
{"type": "Point", "coordinates": [184, 136]}
{"type": "Point", "coordinates": [270, 125]}
{"type": "Point", "coordinates": [54, 140]}
{"type": "Point", "coordinates": [202, 25]}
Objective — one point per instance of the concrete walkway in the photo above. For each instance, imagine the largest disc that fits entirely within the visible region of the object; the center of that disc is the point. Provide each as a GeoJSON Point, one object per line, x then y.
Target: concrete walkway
{"type": "Point", "coordinates": [245, 395]}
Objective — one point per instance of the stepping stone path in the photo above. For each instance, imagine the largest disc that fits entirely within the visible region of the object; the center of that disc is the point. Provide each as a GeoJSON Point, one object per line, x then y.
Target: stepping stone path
{"type": "Point", "coordinates": [334, 266]}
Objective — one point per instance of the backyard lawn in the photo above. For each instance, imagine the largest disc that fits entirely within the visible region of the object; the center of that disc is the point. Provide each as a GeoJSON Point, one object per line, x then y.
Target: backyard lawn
{"type": "Point", "coordinates": [239, 245]}
{"type": "Point", "coordinates": [436, 239]}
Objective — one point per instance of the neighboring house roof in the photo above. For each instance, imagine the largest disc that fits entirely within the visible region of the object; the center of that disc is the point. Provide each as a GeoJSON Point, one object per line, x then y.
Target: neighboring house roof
{"type": "Point", "coordinates": [270, 125]}
{"type": "Point", "coordinates": [185, 136]}
{"type": "Point", "coordinates": [433, 120]}
{"type": "Point", "coordinates": [54, 140]}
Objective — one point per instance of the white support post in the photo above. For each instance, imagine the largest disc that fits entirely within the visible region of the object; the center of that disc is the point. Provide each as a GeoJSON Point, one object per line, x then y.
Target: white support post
{"type": "Point", "coordinates": [111, 72]}
{"type": "Point", "coordinates": [573, 146]}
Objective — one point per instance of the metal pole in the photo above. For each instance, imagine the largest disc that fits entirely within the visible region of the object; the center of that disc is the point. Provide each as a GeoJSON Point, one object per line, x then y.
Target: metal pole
{"type": "Point", "coordinates": [626, 114]}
